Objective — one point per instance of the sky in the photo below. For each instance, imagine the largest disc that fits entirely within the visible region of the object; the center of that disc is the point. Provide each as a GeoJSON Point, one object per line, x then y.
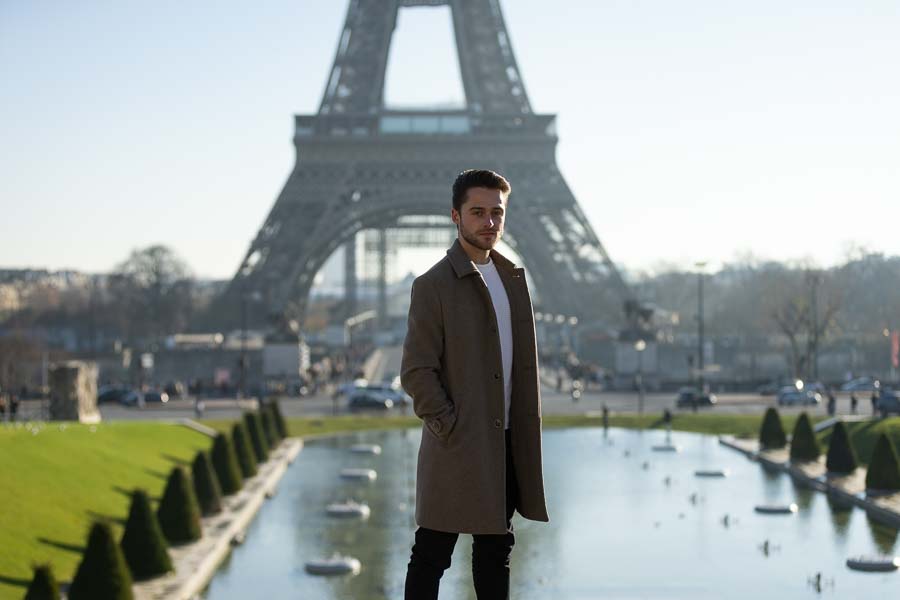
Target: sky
{"type": "Point", "coordinates": [697, 130]}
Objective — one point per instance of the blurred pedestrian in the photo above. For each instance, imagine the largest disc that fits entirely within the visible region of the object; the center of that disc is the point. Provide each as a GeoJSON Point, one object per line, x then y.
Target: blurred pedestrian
{"type": "Point", "coordinates": [874, 402]}
{"type": "Point", "coordinates": [832, 403]}
{"type": "Point", "coordinates": [854, 403]}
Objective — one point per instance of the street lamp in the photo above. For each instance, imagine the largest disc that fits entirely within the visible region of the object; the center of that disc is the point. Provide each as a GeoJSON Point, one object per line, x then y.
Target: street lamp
{"type": "Point", "coordinates": [245, 298]}
{"type": "Point", "coordinates": [640, 346]}
{"type": "Point", "coordinates": [700, 384]}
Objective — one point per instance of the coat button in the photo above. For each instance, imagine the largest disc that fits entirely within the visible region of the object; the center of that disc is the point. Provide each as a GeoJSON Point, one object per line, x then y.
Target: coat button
{"type": "Point", "coordinates": [496, 375]}
{"type": "Point", "coordinates": [498, 423]}
{"type": "Point", "coordinates": [435, 426]}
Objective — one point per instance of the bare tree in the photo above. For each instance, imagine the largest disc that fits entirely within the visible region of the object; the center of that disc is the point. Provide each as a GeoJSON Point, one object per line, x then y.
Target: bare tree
{"type": "Point", "coordinates": [153, 289]}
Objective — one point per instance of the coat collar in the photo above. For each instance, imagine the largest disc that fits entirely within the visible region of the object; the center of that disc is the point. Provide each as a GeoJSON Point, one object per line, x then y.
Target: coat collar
{"type": "Point", "coordinates": [463, 265]}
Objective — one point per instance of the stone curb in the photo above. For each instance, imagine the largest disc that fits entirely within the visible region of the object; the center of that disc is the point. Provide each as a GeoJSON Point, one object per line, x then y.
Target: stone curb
{"type": "Point", "coordinates": [878, 512]}
{"type": "Point", "coordinates": [196, 563]}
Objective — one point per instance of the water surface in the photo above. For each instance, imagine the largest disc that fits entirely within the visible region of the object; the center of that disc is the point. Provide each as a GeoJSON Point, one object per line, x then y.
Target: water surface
{"type": "Point", "coordinates": [626, 522]}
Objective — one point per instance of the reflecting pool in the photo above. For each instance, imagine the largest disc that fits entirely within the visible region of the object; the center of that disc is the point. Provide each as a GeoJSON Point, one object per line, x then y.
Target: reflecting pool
{"type": "Point", "coordinates": [625, 522]}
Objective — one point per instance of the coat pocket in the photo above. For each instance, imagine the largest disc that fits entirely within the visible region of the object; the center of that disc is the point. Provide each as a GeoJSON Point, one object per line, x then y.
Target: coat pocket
{"type": "Point", "coordinates": [441, 426]}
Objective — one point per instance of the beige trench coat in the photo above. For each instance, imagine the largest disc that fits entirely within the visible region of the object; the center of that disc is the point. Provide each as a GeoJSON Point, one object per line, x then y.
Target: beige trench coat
{"type": "Point", "coordinates": [452, 368]}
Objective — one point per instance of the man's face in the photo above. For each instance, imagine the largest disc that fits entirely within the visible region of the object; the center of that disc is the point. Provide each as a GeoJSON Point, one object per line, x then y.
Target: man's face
{"type": "Point", "coordinates": [481, 216]}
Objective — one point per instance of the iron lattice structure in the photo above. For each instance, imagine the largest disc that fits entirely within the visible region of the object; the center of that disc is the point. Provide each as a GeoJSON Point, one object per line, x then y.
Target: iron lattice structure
{"type": "Point", "coordinates": [362, 166]}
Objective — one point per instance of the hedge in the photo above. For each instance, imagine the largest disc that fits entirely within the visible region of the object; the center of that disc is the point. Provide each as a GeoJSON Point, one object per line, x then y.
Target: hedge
{"type": "Point", "coordinates": [143, 544]}
{"type": "Point", "coordinates": [43, 585]}
{"type": "Point", "coordinates": [280, 424]}
{"type": "Point", "coordinates": [225, 463]}
{"type": "Point", "coordinates": [246, 457]}
{"type": "Point", "coordinates": [883, 473]}
{"type": "Point", "coordinates": [206, 485]}
{"type": "Point", "coordinates": [102, 572]}
{"type": "Point", "coordinates": [804, 445]}
{"type": "Point", "coordinates": [178, 513]}
{"type": "Point", "coordinates": [771, 433]}
{"type": "Point", "coordinates": [257, 437]}
{"type": "Point", "coordinates": [841, 454]}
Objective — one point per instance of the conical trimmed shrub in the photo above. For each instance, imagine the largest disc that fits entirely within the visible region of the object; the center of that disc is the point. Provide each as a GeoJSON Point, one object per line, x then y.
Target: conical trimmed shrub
{"type": "Point", "coordinates": [804, 445]}
{"type": "Point", "coordinates": [103, 572]}
{"type": "Point", "coordinates": [280, 423]}
{"type": "Point", "coordinates": [268, 426]}
{"type": "Point", "coordinates": [143, 544]}
{"type": "Point", "coordinates": [243, 448]}
{"type": "Point", "coordinates": [43, 585]}
{"type": "Point", "coordinates": [178, 513]}
{"type": "Point", "coordinates": [884, 469]}
{"type": "Point", "coordinates": [257, 437]}
{"type": "Point", "coordinates": [206, 485]}
{"type": "Point", "coordinates": [771, 434]}
{"type": "Point", "coordinates": [226, 466]}
{"type": "Point", "coordinates": [841, 455]}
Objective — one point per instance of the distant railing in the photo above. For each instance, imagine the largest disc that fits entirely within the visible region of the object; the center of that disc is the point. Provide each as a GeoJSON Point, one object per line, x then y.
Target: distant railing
{"type": "Point", "coordinates": [431, 123]}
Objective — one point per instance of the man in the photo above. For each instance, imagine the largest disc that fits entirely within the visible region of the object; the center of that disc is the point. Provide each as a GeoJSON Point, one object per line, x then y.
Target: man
{"type": "Point", "coordinates": [470, 365]}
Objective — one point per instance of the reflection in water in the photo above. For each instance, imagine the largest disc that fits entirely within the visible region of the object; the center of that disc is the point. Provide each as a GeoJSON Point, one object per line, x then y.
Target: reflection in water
{"type": "Point", "coordinates": [841, 511]}
{"type": "Point", "coordinates": [612, 523]}
{"type": "Point", "coordinates": [885, 537]}
{"type": "Point", "coordinates": [803, 495]}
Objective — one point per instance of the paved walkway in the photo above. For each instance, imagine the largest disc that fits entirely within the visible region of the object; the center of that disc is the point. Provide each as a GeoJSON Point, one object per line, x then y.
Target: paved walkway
{"type": "Point", "coordinates": [196, 563]}
{"type": "Point", "coordinates": [849, 488]}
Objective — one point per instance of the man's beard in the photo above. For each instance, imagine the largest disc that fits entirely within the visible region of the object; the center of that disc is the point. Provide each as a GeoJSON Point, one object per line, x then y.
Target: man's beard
{"type": "Point", "coordinates": [477, 241]}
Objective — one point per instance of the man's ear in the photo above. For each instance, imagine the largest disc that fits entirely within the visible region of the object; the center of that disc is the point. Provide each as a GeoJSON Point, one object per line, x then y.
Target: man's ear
{"type": "Point", "coordinates": [454, 215]}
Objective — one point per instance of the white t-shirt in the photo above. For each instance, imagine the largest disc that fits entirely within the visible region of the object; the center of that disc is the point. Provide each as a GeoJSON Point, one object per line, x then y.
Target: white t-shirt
{"type": "Point", "coordinates": [504, 325]}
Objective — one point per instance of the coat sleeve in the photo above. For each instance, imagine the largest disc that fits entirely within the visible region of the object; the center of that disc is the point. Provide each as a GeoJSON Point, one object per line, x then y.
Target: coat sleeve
{"type": "Point", "coordinates": [420, 366]}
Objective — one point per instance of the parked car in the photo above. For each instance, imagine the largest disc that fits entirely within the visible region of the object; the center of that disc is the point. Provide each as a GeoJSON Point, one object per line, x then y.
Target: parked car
{"type": "Point", "coordinates": [861, 384]}
{"type": "Point", "coordinates": [156, 396]}
{"type": "Point", "coordinates": [346, 389]}
{"type": "Point", "coordinates": [888, 402]}
{"type": "Point", "coordinates": [767, 389]}
{"type": "Point", "coordinates": [399, 397]}
{"type": "Point", "coordinates": [689, 397]}
{"type": "Point", "coordinates": [132, 398]}
{"type": "Point", "coordinates": [791, 396]}
{"type": "Point", "coordinates": [112, 394]}
{"type": "Point", "coordinates": [363, 399]}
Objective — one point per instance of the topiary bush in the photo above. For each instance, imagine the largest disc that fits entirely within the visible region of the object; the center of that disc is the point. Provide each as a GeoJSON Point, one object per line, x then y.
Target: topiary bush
{"type": "Point", "coordinates": [884, 469]}
{"type": "Point", "coordinates": [841, 455]}
{"type": "Point", "coordinates": [268, 426]}
{"type": "Point", "coordinates": [771, 433]}
{"type": "Point", "coordinates": [143, 544]}
{"type": "Point", "coordinates": [226, 466]}
{"type": "Point", "coordinates": [246, 457]}
{"type": "Point", "coordinates": [280, 423]}
{"type": "Point", "coordinates": [804, 445]}
{"type": "Point", "coordinates": [178, 513]}
{"type": "Point", "coordinates": [43, 585]}
{"type": "Point", "coordinates": [102, 572]}
{"type": "Point", "coordinates": [257, 437]}
{"type": "Point", "coordinates": [206, 485]}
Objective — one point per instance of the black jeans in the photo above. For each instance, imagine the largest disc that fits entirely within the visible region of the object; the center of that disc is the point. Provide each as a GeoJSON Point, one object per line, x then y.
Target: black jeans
{"type": "Point", "coordinates": [490, 553]}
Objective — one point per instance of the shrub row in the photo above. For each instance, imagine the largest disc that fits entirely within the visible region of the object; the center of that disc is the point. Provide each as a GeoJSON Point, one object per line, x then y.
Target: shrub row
{"type": "Point", "coordinates": [882, 474]}
{"type": "Point", "coordinates": [107, 569]}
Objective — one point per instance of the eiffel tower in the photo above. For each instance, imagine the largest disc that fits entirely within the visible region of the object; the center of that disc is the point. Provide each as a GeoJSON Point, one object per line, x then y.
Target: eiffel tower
{"type": "Point", "coordinates": [363, 166]}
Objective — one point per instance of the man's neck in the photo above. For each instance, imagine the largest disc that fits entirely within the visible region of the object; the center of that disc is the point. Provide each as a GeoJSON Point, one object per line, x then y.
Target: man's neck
{"type": "Point", "coordinates": [477, 255]}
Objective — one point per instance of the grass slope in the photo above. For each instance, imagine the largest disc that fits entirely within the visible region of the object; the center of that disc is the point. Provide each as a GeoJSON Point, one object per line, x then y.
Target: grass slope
{"type": "Point", "coordinates": [54, 483]}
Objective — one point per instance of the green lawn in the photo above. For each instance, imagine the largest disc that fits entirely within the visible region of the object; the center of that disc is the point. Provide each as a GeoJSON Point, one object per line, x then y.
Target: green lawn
{"type": "Point", "coordinates": [55, 482]}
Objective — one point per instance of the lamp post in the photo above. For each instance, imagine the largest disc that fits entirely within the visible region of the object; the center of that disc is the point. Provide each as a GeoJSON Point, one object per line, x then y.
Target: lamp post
{"type": "Point", "coordinates": [814, 279]}
{"type": "Point", "coordinates": [245, 298]}
{"type": "Point", "coordinates": [640, 346]}
{"type": "Point", "coordinates": [700, 383]}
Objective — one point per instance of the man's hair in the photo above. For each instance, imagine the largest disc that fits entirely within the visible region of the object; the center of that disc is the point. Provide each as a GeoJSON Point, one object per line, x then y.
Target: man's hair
{"type": "Point", "coordinates": [472, 178]}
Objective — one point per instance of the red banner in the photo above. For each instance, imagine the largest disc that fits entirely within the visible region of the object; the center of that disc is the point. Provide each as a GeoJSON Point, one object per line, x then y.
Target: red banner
{"type": "Point", "coordinates": [895, 349]}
